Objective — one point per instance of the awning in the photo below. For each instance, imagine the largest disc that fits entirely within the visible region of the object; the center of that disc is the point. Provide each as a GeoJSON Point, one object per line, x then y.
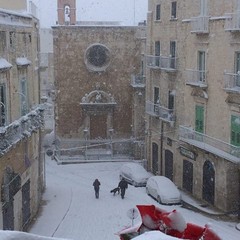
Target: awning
{"type": "Point", "coordinates": [4, 64]}
{"type": "Point", "coordinates": [22, 61]}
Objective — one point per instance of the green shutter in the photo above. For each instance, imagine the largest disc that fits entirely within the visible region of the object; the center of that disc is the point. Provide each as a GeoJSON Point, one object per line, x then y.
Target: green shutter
{"type": "Point", "coordinates": [235, 130]}
{"type": "Point", "coordinates": [199, 119]}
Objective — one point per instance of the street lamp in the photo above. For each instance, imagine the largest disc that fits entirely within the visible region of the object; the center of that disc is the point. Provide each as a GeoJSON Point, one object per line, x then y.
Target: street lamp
{"type": "Point", "coordinates": [111, 145]}
{"type": "Point", "coordinates": [85, 131]}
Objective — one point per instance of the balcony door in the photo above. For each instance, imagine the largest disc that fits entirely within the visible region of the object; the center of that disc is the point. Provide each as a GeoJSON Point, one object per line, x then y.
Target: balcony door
{"type": "Point", "coordinates": [173, 54]}
{"type": "Point", "coordinates": [237, 69]}
{"type": "Point", "coordinates": [199, 119]}
{"type": "Point", "coordinates": [201, 66]}
{"type": "Point", "coordinates": [156, 100]}
{"type": "Point", "coordinates": [235, 131]}
{"type": "Point", "coordinates": [157, 53]}
{"type": "Point", "coordinates": [203, 7]}
{"type": "Point", "coordinates": [3, 105]}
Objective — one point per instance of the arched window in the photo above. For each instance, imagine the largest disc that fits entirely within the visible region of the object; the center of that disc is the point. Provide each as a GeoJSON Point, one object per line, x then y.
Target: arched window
{"type": "Point", "coordinates": [67, 14]}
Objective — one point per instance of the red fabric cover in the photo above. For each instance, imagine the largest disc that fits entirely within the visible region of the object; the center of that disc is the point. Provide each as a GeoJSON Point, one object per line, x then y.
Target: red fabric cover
{"type": "Point", "coordinates": [193, 232]}
{"type": "Point", "coordinates": [209, 234]}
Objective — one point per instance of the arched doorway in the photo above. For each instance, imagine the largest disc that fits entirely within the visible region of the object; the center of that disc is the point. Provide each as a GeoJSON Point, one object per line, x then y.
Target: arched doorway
{"type": "Point", "coordinates": [208, 182]}
{"type": "Point", "coordinates": [154, 158]}
{"type": "Point", "coordinates": [169, 164]}
{"type": "Point", "coordinates": [187, 176]}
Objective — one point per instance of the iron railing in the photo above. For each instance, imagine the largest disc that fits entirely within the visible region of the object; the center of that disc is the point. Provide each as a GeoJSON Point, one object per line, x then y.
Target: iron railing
{"type": "Point", "coordinates": [200, 24]}
{"type": "Point", "coordinates": [11, 134]}
{"type": "Point", "coordinates": [232, 22]}
{"type": "Point", "coordinates": [206, 142]}
{"type": "Point", "coordinates": [158, 111]}
{"type": "Point", "coordinates": [232, 82]}
{"type": "Point", "coordinates": [161, 62]}
{"type": "Point", "coordinates": [138, 80]}
{"type": "Point", "coordinates": [196, 77]}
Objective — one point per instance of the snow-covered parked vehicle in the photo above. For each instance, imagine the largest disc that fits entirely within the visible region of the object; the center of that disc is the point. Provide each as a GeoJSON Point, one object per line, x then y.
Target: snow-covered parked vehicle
{"type": "Point", "coordinates": [134, 174]}
{"type": "Point", "coordinates": [163, 190]}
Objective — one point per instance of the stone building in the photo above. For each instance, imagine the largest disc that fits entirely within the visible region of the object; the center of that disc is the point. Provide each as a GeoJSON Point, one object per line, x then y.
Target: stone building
{"type": "Point", "coordinates": [192, 97]}
{"type": "Point", "coordinates": [21, 118]}
{"type": "Point", "coordinates": [99, 76]}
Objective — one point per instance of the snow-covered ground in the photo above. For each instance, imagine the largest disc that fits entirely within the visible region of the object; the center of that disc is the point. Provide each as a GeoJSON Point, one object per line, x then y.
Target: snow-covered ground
{"type": "Point", "coordinates": [71, 210]}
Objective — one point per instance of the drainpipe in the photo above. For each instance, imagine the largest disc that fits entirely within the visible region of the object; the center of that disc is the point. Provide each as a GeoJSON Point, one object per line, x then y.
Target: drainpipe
{"type": "Point", "coordinates": [161, 149]}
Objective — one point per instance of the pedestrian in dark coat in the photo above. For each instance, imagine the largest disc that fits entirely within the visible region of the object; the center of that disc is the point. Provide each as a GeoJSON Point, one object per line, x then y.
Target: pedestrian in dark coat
{"type": "Point", "coordinates": [123, 185]}
{"type": "Point", "coordinates": [96, 185]}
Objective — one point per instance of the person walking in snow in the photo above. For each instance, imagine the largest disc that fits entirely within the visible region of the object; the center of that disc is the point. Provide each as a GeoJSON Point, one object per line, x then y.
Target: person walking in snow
{"type": "Point", "coordinates": [96, 185]}
{"type": "Point", "coordinates": [123, 185]}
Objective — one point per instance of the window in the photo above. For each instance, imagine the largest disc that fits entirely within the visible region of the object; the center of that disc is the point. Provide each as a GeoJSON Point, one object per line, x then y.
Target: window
{"type": "Point", "coordinates": [235, 130]}
{"type": "Point", "coordinates": [2, 42]}
{"type": "Point", "coordinates": [174, 10]}
{"type": "Point", "coordinates": [199, 119]}
{"type": "Point", "coordinates": [171, 100]}
{"type": "Point", "coordinates": [173, 54]}
{"type": "Point", "coordinates": [3, 105]}
{"type": "Point", "coordinates": [23, 91]}
{"type": "Point", "coordinates": [12, 39]}
{"type": "Point", "coordinates": [203, 8]}
{"type": "Point", "coordinates": [157, 53]}
{"type": "Point", "coordinates": [237, 69]}
{"type": "Point", "coordinates": [158, 12]}
{"type": "Point", "coordinates": [201, 66]}
{"type": "Point", "coordinates": [156, 100]}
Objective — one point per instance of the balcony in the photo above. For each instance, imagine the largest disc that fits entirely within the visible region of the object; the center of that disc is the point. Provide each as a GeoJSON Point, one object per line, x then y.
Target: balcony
{"type": "Point", "coordinates": [162, 113]}
{"type": "Point", "coordinates": [161, 62]}
{"type": "Point", "coordinates": [138, 81]}
{"type": "Point", "coordinates": [209, 144]}
{"type": "Point", "coordinates": [232, 22]}
{"type": "Point", "coordinates": [232, 82]}
{"type": "Point", "coordinates": [153, 62]}
{"type": "Point", "coordinates": [200, 24]}
{"type": "Point", "coordinates": [196, 78]}
{"type": "Point", "coordinates": [16, 131]}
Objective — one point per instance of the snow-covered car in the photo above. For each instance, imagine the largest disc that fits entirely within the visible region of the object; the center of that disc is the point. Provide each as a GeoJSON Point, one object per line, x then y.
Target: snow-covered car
{"type": "Point", "coordinates": [134, 174]}
{"type": "Point", "coordinates": [163, 190]}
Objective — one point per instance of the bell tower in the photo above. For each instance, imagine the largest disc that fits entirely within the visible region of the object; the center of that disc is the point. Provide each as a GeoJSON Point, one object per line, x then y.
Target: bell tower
{"type": "Point", "coordinates": [66, 12]}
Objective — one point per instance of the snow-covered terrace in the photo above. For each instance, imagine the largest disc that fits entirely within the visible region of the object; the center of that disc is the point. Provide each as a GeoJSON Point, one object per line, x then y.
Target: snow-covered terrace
{"type": "Point", "coordinates": [11, 134]}
{"type": "Point", "coordinates": [15, 19]}
{"type": "Point", "coordinates": [212, 145]}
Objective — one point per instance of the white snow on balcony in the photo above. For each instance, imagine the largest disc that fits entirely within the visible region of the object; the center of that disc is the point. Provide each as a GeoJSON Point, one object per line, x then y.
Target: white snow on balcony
{"type": "Point", "coordinates": [22, 61]}
{"type": "Point", "coordinates": [4, 64]}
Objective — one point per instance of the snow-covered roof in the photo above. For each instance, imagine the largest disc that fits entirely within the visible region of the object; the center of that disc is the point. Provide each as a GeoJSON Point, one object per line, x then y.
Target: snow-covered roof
{"type": "Point", "coordinates": [4, 64]}
{"type": "Point", "coordinates": [22, 61]}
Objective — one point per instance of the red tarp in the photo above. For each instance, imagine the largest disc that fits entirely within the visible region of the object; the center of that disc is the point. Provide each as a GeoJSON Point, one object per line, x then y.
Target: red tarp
{"type": "Point", "coordinates": [171, 223]}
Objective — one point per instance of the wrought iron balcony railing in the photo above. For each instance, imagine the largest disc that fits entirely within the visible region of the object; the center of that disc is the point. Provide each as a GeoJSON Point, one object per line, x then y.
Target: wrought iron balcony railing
{"type": "Point", "coordinates": [11, 134]}
{"type": "Point", "coordinates": [232, 22]}
{"type": "Point", "coordinates": [163, 113]}
{"type": "Point", "coordinates": [209, 144]}
{"type": "Point", "coordinates": [200, 24]}
{"type": "Point", "coordinates": [162, 62]}
{"type": "Point", "coordinates": [197, 78]}
{"type": "Point", "coordinates": [232, 82]}
{"type": "Point", "coordinates": [153, 61]}
{"type": "Point", "coordinates": [138, 81]}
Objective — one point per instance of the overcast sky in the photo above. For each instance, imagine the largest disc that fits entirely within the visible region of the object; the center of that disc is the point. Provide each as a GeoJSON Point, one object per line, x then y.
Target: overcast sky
{"type": "Point", "coordinates": [129, 12]}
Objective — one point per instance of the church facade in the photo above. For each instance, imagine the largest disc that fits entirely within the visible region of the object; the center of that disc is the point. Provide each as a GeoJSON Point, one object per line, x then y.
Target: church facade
{"type": "Point", "coordinates": [99, 76]}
